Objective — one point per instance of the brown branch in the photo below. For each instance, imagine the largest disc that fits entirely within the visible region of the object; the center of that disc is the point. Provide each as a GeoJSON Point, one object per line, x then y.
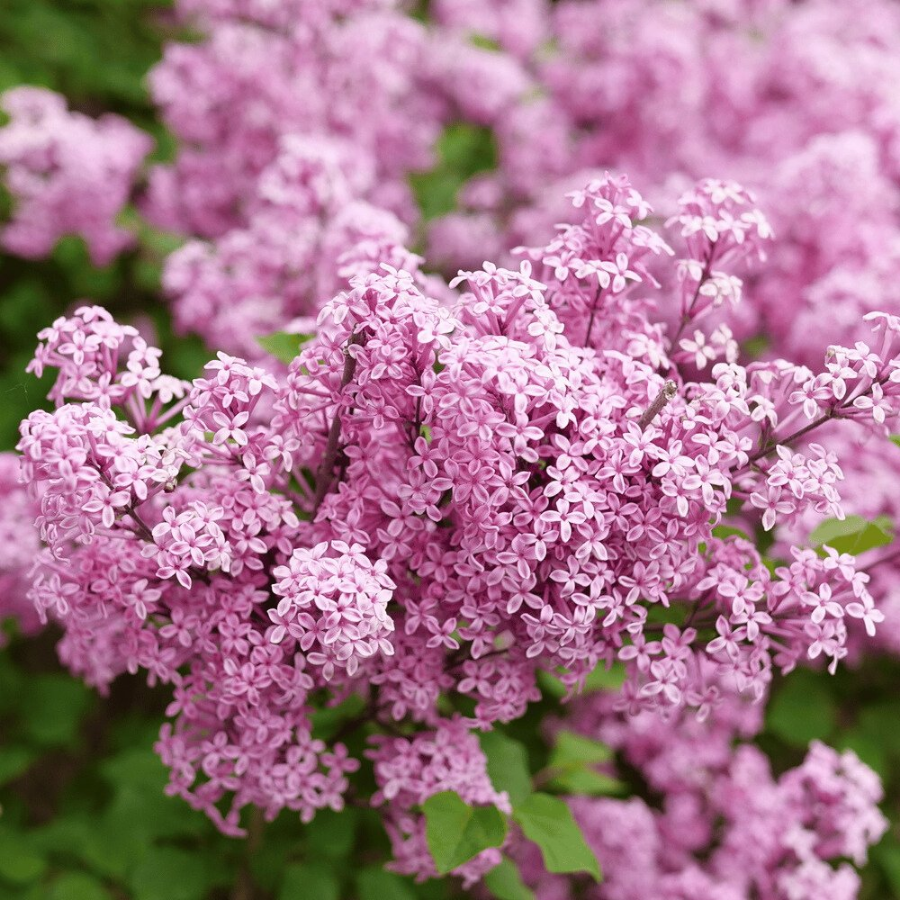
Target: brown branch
{"type": "Point", "coordinates": [667, 393]}
{"type": "Point", "coordinates": [325, 474]}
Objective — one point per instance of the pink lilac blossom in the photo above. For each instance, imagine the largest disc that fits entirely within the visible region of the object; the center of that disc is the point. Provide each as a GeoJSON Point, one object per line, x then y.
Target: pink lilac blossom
{"type": "Point", "coordinates": [18, 548]}
{"type": "Point", "coordinates": [338, 103]}
{"type": "Point", "coordinates": [726, 828]}
{"type": "Point", "coordinates": [409, 771]}
{"type": "Point", "coordinates": [438, 501]}
{"type": "Point", "coordinates": [68, 174]}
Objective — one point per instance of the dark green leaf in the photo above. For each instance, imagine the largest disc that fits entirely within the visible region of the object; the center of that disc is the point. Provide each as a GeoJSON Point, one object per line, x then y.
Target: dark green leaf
{"type": "Point", "coordinates": [376, 884]}
{"type": "Point", "coordinates": [55, 705]}
{"type": "Point", "coordinates": [887, 857]}
{"type": "Point", "coordinates": [167, 873]}
{"type": "Point", "coordinates": [309, 880]}
{"type": "Point", "coordinates": [332, 834]}
{"type": "Point", "coordinates": [13, 762]}
{"type": "Point", "coordinates": [20, 862]}
{"type": "Point", "coordinates": [802, 710]}
{"type": "Point", "coordinates": [77, 886]}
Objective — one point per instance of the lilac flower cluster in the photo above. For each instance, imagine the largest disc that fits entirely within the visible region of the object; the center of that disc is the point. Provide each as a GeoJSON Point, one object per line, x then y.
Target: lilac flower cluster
{"type": "Point", "coordinates": [68, 173]}
{"type": "Point", "coordinates": [409, 771]}
{"type": "Point", "coordinates": [439, 501]}
{"type": "Point", "coordinates": [19, 545]}
{"type": "Point", "coordinates": [452, 491]}
{"type": "Point", "coordinates": [726, 828]}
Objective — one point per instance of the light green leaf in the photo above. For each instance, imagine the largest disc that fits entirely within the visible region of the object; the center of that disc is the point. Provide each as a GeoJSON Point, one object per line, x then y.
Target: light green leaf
{"type": "Point", "coordinates": [588, 783]}
{"type": "Point", "coordinates": [549, 822]}
{"type": "Point", "coordinates": [575, 749]}
{"type": "Point", "coordinates": [572, 764]}
{"type": "Point", "coordinates": [507, 765]}
{"type": "Point", "coordinates": [456, 832]}
{"type": "Point", "coordinates": [854, 534]}
{"type": "Point", "coordinates": [600, 678]}
{"type": "Point", "coordinates": [726, 531]}
{"type": "Point", "coordinates": [283, 345]}
{"type": "Point", "coordinates": [505, 882]}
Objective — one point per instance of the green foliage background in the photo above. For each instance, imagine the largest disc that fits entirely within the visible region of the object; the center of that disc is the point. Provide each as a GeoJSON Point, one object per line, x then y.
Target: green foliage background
{"type": "Point", "coordinates": [84, 816]}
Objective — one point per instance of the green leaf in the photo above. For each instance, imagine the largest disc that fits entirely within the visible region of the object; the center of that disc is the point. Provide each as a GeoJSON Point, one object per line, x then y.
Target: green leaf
{"type": "Point", "coordinates": [571, 766]}
{"type": "Point", "coordinates": [167, 873]}
{"type": "Point", "coordinates": [586, 782]}
{"type": "Point", "coordinates": [600, 678]}
{"type": "Point", "coordinates": [20, 862]}
{"type": "Point", "coordinates": [485, 43]}
{"type": "Point", "coordinates": [136, 767]}
{"type": "Point", "coordinates": [726, 531]}
{"type": "Point", "coordinates": [854, 534]}
{"type": "Point", "coordinates": [756, 346]}
{"type": "Point", "coordinates": [507, 764]}
{"type": "Point", "coordinates": [505, 882]}
{"type": "Point", "coordinates": [887, 856]}
{"type": "Point", "coordinates": [463, 151]}
{"type": "Point", "coordinates": [575, 749]}
{"type": "Point", "coordinates": [77, 886]}
{"type": "Point", "coordinates": [328, 720]}
{"type": "Point", "coordinates": [874, 736]}
{"type": "Point", "coordinates": [13, 762]}
{"type": "Point", "coordinates": [55, 705]}
{"type": "Point", "coordinates": [332, 834]}
{"type": "Point", "coordinates": [802, 710]}
{"type": "Point", "coordinates": [376, 884]}
{"type": "Point", "coordinates": [283, 345]}
{"type": "Point", "coordinates": [456, 832]}
{"type": "Point", "coordinates": [551, 685]}
{"type": "Point", "coordinates": [549, 822]}
{"type": "Point", "coordinates": [309, 880]}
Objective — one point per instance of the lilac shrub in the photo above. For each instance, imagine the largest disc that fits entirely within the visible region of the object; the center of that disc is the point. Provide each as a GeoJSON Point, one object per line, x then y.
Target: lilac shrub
{"type": "Point", "coordinates": [437, 502]}
{"type": "Point", "coordinates": [455, 491]}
